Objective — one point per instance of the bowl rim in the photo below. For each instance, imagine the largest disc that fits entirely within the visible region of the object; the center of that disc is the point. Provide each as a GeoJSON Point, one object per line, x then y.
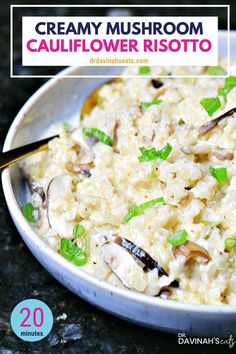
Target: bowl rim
{"type": "Point", "coordinates": [52, 256]}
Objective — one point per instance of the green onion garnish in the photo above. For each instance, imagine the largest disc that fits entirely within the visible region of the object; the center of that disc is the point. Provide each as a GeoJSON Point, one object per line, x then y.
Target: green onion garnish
{"type": "Point", "coordinates": [71, 251]}
{"type": "Point", "coordinates": [148, 104]}
{"type": "Point", "coordinates": [220, 174]}
{"type": "Point", "coordinates": [136, 210]}
{"type": "Point", "coordinates": [217, 70]}
{"type": "Point", "coordinates": [223, 91]}
{"type": "Point", "coordinates": [98, 134]}
{"type": "Point", "coordinates": [144, 70]}
{"type": "Point", "coordinates": [148, 154]}
{"type": "Point", "coordinates": [79, 231]}
{"type": "Point", "coordinates": [211, 105]}
{"type": "Point", "coordinates": [153, 154]}
{"type": "Point", "coordinates": [165, 152]}
{"type": "Point", "coordinates": [230, 243]}
{"type": "Point", "coordinates": [177, 238]}
{"type": "Point", "coordinates": [67, 127]}
{"type": "Point", "coordinates": [230, 83]}
{"type": "Point", "coordinates": [28, 210]}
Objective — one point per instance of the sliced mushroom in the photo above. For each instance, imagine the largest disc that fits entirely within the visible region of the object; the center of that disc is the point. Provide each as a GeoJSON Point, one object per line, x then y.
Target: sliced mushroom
{"type": "Point", "coordinates": [124, 266]}
{"type": "Point", "coordinates": [59, 187]}
{"type": "Point", "coordinates": [83, 168]}
{"type": "Point", "coordinates": [142, 258]}
{"type": "Point", "coordinates": [131, 273]}
{"type": "Point", "coordinates": [205, 128]}
{"type": "Point", "coordinates": [197, 149]}
{"type": "Point", "coordinates": [223, 155]}
{"type": "Point", "coordinates": [153, 135]}
{"type": "Point", "coordinates": [35, 188]}
{"type": "Point", "coordinates": [205, 149]}
{"type": "Point", "coordinates": [115, 137]}
{"type": "Point", "coordinates": [165, 293]}
{"type": "Point", "coordinates": [191, 250]}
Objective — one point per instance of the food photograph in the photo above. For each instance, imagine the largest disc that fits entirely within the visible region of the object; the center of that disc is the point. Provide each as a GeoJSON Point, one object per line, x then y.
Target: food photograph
{"type": "Point", "coordinates": [118, 196]}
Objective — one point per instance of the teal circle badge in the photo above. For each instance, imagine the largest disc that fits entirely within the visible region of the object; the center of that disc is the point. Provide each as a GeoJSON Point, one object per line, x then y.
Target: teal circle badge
{"type": "Point", "coordinates": [31, 320]}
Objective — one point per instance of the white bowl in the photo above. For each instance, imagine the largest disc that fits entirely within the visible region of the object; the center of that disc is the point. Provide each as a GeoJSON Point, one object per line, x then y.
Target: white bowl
{"type": "Point", "coordinates": [59, 100]}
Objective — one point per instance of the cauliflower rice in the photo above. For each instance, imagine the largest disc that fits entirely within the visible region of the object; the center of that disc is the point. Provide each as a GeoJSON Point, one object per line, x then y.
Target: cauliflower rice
{"type": "Point", "coordinates": [99, 198]}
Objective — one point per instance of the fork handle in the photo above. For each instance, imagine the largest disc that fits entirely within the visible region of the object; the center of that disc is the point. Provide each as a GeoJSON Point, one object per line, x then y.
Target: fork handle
{"type": "Point", "coordinates": [8, 157]}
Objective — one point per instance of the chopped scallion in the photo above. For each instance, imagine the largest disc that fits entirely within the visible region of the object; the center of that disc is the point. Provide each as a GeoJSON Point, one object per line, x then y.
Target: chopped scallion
{"type": "Point", "coordinates": [98, 134]}
{"type": "Point", "coordinates": [230, 243]}
{"type": "Point", "coordinates": [151, 103]}
{"type": "Point", "coordinates": [148, 154]}
{"type": "Point", "coordinates": [220, 174]}
{"type": "Point", "coordinates": [144, 70]}
{"type": "Point", "coordinates": [177, 238]}
{"type": "Point", "coordinates": [28, 210]}
{"type": "Point", "coordinates": [223, 91]}
{"type": "Point", "coordinates": [136, 210]}
{"type": "Point", "coordinates": [165, 152]}
{"type": "Point", "coordinates": [217, 70]}
{"type": "Point", "coordinates": [79, 231]}
{"type": "Point", "coordinates": [211, 105]}
{"type": "Point", "coordinates": [230, 83]}
{"type": "Point", "coordinates": [153, 154]}
{"type": "Point", "coordinates": [71, 251]}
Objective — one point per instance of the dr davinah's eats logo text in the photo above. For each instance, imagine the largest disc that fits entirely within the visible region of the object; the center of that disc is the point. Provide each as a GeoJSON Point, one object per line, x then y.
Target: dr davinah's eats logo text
{"type": "Point", "coordinates": [120, 41]}
{"type": "Point", "coordinates": [183, 339]}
